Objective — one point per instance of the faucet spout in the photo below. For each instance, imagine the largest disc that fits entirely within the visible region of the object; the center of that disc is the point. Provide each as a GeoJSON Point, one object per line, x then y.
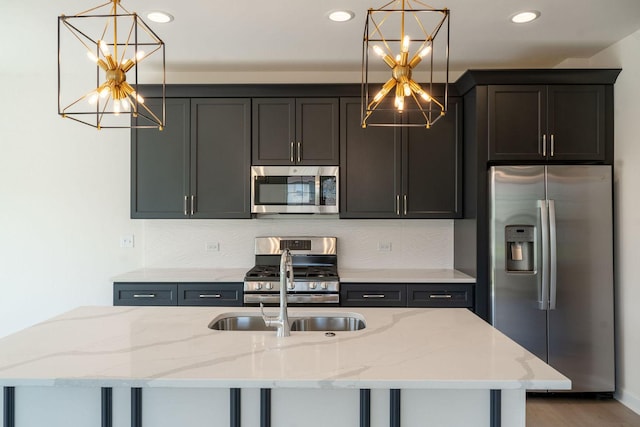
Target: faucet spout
{"type": "Point", "coordinates": [286, 277]}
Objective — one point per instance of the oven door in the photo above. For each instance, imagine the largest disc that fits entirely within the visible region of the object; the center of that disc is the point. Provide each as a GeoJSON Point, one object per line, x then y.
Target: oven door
{"type": "Point", "coordinates": [296, 299]}
{"type": "Point", "coordinates": [298, 189]}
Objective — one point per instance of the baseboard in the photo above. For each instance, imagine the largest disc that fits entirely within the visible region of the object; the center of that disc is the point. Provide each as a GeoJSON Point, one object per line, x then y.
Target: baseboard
{"type": "Point", "coordinates": [629, 400]}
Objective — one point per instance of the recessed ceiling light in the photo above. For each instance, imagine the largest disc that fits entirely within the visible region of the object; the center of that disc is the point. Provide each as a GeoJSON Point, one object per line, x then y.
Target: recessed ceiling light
{"type": "Point", "coordinates": [159, 16]}
{"type": "Point", "coordinates": [524, 17]}
{"type": "Point", "coordinates": [341, 15]}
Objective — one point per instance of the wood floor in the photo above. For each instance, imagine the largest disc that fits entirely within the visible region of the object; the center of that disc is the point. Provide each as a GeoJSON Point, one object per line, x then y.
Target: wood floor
{"type": "Point", "coordinates": [560, 411]}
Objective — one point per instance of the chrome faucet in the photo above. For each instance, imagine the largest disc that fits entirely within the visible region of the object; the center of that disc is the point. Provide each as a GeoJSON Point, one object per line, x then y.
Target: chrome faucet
{"type": "Point", "coordinates": [286, 280]}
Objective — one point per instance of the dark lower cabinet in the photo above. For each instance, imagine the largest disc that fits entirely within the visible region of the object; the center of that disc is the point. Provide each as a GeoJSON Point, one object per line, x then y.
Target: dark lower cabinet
{"type": "Point", "coordinates": [403, 172]}
{"type": "Point", "coordinates": [145, 294]}
{"type": "Point", "coordinates": [198, 167]}
{"type": "Point", "coordinates": [373, 295]}
{"type": "Point", "coordinates": [440, 295]}
{"type": "Point", "coordinates": [407, 295]}
{"type": "Point", "coordinates": [210, 294]}
{"type": "Point", "coordinates": [183, 294]}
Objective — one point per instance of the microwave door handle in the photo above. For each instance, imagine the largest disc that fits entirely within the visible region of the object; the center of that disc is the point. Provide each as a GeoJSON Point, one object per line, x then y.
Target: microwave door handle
{"type": "Point", "coordinates": [318, 188]}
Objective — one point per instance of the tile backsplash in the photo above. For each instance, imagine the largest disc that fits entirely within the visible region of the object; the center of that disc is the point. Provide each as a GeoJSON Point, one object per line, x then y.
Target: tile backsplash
{"type": "Point", "coordinates": [361, 243]}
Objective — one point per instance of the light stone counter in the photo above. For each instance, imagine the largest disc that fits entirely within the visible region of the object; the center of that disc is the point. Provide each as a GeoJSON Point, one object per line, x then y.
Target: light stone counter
{"type": "Point", "coordinates": [347, 275]}
{"type": "Point", "coordinates": [445, 362]}
{"type": "Point", "coordinates": [403, 275]}
{"type": "Point", "coordinates": [183, 275]}
{"type": "Point", "coordinates": [173, 347]}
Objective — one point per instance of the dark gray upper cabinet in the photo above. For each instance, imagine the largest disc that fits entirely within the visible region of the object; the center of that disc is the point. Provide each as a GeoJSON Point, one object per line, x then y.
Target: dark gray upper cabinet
{"type": "Point", "coordinates": [403, 172]}
{"type": "Point", "coordinates": [198, 167]}
{"type": "Point", "coordinates": [546, 122]}
{"type": "Point", "coordinates": [220, 158]}
{"type": "Point", "coordinates": [159, 160]}
{"type": "Point", "coordinates": [289, 131]}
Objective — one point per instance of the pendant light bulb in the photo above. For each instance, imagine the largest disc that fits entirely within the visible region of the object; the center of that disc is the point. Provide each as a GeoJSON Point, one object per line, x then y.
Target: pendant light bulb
{"type": "Point", "coordinates": [405, 43]}
{"type": "Point", "coordinates": [104, 48]}
{"type": "Point", "coordinates": [378, 50]}
{"type": "Point", "coordinates": [93, 98]}
{"type": "Point", "coordinates": [424, 52]}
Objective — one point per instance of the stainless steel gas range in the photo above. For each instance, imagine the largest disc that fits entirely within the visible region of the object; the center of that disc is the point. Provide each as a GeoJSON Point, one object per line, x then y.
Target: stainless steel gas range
{"type": "Point", "coordinates": [315, 272]}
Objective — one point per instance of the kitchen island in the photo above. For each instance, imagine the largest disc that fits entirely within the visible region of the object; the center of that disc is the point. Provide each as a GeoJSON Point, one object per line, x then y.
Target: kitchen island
{"type": "Point", "coordinates": [436, 366]}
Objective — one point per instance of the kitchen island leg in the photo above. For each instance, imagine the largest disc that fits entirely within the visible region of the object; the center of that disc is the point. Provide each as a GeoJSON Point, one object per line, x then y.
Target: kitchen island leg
{"type": "Point", "coordinates": [9, 407]}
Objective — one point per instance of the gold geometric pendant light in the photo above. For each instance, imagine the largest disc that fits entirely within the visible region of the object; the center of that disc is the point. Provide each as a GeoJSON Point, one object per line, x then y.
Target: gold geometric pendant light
{"type": "Point", "coordinates": [400, 40]}
{"type": "Point", "coordinates": [99, 68]}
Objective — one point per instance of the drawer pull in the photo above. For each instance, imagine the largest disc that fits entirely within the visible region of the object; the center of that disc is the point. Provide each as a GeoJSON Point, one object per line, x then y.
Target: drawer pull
{"type": "Point", "coordinates": [373, 296]}
{"type": "Point", "coordinates": [439, 296]}
{"type": "Point", "coordinates": [144, 295]}
{"type": "Point", "coordinates": [210, 296]}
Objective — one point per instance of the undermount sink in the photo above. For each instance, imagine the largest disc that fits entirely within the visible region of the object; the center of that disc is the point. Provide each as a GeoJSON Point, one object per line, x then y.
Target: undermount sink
{"type": "Point", "coordinates": [338, 322]}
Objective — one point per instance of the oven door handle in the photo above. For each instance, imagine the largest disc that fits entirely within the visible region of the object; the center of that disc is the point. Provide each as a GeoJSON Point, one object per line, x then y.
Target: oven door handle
{"type": "Point", "coordinates": [324, 298]}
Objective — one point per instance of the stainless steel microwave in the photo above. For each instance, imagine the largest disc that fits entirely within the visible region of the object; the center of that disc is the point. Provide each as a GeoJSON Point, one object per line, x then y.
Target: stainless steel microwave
{"type": "Point", "coordinates": [294, 189]}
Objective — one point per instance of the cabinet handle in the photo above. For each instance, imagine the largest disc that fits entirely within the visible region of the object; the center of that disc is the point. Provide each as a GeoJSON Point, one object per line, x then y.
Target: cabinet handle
{"type": "Point", "coordinates": [210, 296]}
{"type": "Point", "coordinates": [299, 151]}
{"type": "Point", "coordinates": [553, 145]}
{"type": "Point", "coordinates": [373, 296]}
{"type": "Point", "coordinates": [397, 204]}
{"type": "Point", "coordinates": [439, 296]}
{"type": "Point", "coordinates": [544, 145]}
{"type": "Point", "coordinates": [186, 200]}
{"type": "Point", "coordinates": [144, 295]}
{"type": "Point", "coordinates": [291, 148]}
{"type": "Point", "coordinates": [193, 203]}
{"type": "Point", "coordinates": [405, 205]}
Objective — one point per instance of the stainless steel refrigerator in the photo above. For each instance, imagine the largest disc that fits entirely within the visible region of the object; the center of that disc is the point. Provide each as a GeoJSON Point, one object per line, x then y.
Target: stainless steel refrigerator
{"type": "Point", "coordinates": [552, 267]}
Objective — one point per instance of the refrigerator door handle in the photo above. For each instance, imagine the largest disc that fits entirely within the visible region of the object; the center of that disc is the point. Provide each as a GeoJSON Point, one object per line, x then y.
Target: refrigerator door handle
{"type": "Point", "coordinates": [543, 296]}
{"type": "Point", "coordinates": [553, 258]}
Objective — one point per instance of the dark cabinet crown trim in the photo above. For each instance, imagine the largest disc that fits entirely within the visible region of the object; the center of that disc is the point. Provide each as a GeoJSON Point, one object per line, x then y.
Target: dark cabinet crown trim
{"type": "Point", "coordinates": [571, 76]}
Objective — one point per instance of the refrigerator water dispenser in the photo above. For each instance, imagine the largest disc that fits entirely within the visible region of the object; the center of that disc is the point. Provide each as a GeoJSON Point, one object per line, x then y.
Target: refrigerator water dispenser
{"type": "Point", "coordinates": [520, 249]}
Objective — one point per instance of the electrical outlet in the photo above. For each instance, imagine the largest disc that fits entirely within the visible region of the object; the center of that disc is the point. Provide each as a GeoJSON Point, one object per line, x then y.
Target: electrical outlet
{"type": "Point", "coordinates": [212, 246]}
{"type": "Point", "coordinates": [384, 246]}
{"type": "Point", "coordinates": [126, 241]}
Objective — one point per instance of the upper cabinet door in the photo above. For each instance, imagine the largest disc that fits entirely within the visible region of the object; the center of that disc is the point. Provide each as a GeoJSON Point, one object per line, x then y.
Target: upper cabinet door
{"type": "Point", "coordinates": [290, 131]}
{"type": "Point", "coordinates": [370, 175]}
{"type": "Point", "coordinates": [317, 131]}
{"type": "Point", "coordinates": [273, 131]}
{"type": "Point", "coordinates": [220, 157]}
{"type": "Point", "coordinates": [432, 167]}
{"type": "Point", "coordinates": [160, 164]}
{"type": "Point", "coordinates": [576, 122]}
{"type": "Point", "coordinates": [517, 122]}
{"type": "Point", "coordinates": [547, 123]}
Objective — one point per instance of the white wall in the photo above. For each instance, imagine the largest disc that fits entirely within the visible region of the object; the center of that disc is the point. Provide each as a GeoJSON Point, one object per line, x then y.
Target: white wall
{"type": "Point", "coordinates": [64, 197]}
{"type": "Point", "coordinates": [624, 54]}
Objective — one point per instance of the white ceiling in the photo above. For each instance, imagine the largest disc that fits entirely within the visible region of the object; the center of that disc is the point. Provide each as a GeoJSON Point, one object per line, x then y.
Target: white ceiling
{"type": "Point", "coordinates": [292, 35]}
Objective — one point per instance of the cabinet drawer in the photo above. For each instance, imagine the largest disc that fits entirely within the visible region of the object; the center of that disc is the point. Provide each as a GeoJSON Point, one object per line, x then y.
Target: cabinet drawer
{"type": "Point", "coordinates": [372, 295]}
{"type": "Point", "coordinates": [145, 294]}
{"type": "Point", "coordinates": [210, 294]}
{"type": "Point", "coordinates": [440, 295]}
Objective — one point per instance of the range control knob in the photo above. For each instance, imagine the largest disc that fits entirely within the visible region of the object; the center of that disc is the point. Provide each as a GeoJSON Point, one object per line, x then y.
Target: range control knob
{"type": "Point", "coordinates": [292, 285]}
{"type": "Point", "coordinates": [258, 286]}
{"type": "Point", "coordinates": [269, 286]}
{"type": "Point", "coordinates": [323, 285]}
{"type": "Point", "coordinates": [313, 285]}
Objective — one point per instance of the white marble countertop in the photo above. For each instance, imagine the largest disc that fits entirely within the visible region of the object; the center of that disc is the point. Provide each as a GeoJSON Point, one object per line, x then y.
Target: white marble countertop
{"type": "Point", "coordinates": [173, 347]}
{"type": "Point", "coordinates": [347, 275]}
{"type": "Point", "coordinates": [403, 275]}
{"type": "Point", "coordinates": [183, 275]}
